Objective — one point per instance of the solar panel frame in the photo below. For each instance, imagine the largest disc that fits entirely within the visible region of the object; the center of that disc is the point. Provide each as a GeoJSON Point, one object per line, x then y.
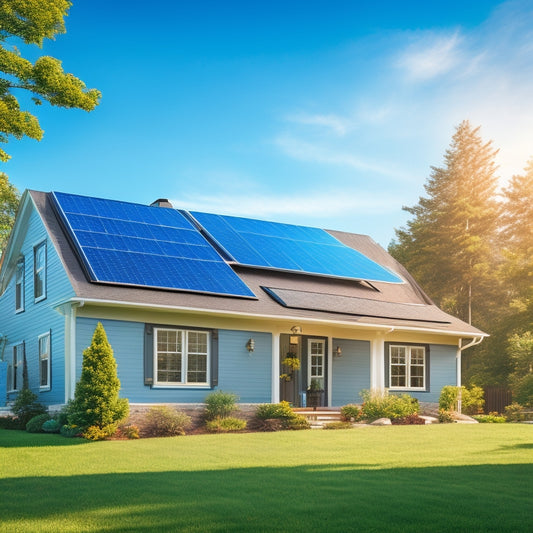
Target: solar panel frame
{"type": "Point", "coordinates": [149, 247]}
{"type": "Point", "coordinates": [289, 248]}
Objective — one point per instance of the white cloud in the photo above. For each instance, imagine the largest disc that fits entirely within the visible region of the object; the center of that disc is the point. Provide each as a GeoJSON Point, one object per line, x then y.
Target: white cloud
{"type": "Point", "coordinates": [336, 124]}
{"type": "Point", "coordinates": [431, 56]}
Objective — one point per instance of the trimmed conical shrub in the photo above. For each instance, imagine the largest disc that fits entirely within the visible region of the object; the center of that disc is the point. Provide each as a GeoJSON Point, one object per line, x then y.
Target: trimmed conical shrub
{"type": "Point", "coordinates": [96, 402]}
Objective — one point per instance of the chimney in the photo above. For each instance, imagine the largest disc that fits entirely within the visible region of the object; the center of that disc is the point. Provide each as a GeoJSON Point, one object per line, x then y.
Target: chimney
{"type": "Point", "coordinates": [162, 202]}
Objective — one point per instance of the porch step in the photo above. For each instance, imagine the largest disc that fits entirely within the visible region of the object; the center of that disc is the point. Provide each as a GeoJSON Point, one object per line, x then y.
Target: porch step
{"type": "Point", "coordinates": [320, 417]}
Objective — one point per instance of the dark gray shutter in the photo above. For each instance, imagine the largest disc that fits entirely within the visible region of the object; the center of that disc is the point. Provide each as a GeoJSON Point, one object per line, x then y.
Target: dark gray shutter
{"type": "Point", "coordinates": [214, 358]}
{"type": "Point", "coordinates": [148, 354]}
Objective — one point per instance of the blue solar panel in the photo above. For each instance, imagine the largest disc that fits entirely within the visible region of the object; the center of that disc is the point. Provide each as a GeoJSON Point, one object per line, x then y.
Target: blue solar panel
{"type": "Point", "coordinates": [133, 244]}
{"type": "Point", "coordinates": [287, 247]}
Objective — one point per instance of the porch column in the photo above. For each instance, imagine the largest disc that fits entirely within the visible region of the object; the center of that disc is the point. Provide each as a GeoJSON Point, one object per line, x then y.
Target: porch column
{"type": "Point", "coordinates": [377, 363]}
{"type": "Point", "coordinates": [70, 350]}
{"type": "Point", "coordinates": [275, 367]}
{"type": "Point", "coordinates": [458, 378]}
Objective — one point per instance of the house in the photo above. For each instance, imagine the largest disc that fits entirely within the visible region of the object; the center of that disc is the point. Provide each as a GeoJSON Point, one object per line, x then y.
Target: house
{"type": "Point", "coordinates": [193, 302]}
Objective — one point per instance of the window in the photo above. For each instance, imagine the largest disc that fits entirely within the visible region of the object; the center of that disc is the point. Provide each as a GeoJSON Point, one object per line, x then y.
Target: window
{"type": "Point", "coordinates": [316, 349]}
{"type": "Point", "coordinates": [181, 357]}
{"type": "Point", "coordinates": [407, 367]}
{"type": "Point", "coordinates": [44, 361]}
{"type": "Point", "coordinates": [19, 286]}
{"type": "Point", "coordinates": [14, 377]}
{"type": "Point", "coordinates": [39, 272]}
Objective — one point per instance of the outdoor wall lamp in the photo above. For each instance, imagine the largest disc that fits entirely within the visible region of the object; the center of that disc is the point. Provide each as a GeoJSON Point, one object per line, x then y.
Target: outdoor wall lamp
{"type": "Point", "coordinates": [338, 352]}
{"type": "Point", "coordinates": [297, 330]}
{"type": "Point", "coordinates": [250, 345]}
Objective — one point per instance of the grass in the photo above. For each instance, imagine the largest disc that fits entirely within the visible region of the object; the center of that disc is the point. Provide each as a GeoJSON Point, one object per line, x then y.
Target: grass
{"type": "Point", "coordinates": [399, 479]}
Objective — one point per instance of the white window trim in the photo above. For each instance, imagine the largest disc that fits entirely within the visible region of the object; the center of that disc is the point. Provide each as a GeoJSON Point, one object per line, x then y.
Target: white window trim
{"type": "Point", "coordinates": [309, 361]}
{"type": "Point", "coordinates": [20, 362]}
{"type": "Point", "coordinates": [44, 269]}
{"type": "Point", "coordinates": [46, 387]}
{"type": "Point", "coordinates": [20, 309]}
{"type": "Point", "coordinates": [184, 361]}
{"type": "Point", "coordinates": [408, 348]}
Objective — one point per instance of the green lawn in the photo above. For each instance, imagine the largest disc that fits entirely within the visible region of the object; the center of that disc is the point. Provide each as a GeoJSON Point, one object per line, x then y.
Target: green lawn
{"type": "Point", "coordinates": [404, 478]}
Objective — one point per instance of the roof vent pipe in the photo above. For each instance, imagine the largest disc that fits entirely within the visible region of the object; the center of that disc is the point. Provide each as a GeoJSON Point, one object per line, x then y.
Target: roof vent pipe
{"type": "Point", "coordinates": [162, 202]}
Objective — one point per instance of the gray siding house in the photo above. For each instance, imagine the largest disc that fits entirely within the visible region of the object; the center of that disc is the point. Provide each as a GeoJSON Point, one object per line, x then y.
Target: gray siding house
{"type": "Point", "coordinates": [194, 302]}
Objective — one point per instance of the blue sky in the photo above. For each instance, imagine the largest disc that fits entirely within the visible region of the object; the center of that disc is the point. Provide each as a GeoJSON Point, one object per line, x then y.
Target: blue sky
{"type": "Point", "coordinates": [327, 114]}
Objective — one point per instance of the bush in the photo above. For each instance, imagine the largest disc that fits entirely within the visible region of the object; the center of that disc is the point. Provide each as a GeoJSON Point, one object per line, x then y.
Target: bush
{"type": "Point", "coordinates": [448, 398]}
{"type": "Point", "coordinates": [52, 426]}
{"type": "Point", "coordinates": [337, 425]}
{"type": "Point", "coordinates": [351, 413]}
{"type": "Point", "coordinates": [523, 390]}
{"type": "Point", "coordinates": [9, 422]}
{"type": "Point", "coordinates": [225, 425]}
{"type": "Point", "coordinates": [220, 404]}
{"type": "Point", "coordinates": [445, 416]}
{"type": "Point", "coordinates": [99, 433]}
{"type": "Point", "coordinates": [410, 420]}
{"type": "Point", "coordinates": [280, 411]}
{"type": "Point", "coordinates": [513, 412]}
{"type": "Point", "coordinates": [384, 405]}
{"type": "Point", "coordinates": [491, 418]}
{"type": "Point", "coordinates": [26, 407]}
{"type": "Point", "coordinates": [472, 400]}
{"type": "Point", "coordinates": [69, 431]}
{"type": "Point", "coordinates": [162, 421]}
{"type": "Point", "coordinates": [35, 424]}
{"type": "Point", "coordinates": [130, 431]}
{"type": "Point", "coordinates": [96, 401]}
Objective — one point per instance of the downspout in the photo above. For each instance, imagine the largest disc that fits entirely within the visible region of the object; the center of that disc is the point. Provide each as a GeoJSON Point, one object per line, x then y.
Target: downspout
{"type": "Point", "coordinates": [475, 341]}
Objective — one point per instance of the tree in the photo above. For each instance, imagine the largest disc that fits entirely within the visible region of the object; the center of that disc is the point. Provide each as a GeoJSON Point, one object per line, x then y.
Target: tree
{"type": "Point", "coordinates": [30, 22]}
{"type": "Point", "coordinates": [448, 244]}
{"type": "Point", "coordinates": [9, 199]}
{"type": "Point", "coordinates": [96, 398]}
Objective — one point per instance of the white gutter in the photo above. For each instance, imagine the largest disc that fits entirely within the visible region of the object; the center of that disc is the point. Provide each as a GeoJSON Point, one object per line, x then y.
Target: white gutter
{"type": "Point", "coordinates": [388, 328]}
{"type": "Point", "coordinates": [474, 342]}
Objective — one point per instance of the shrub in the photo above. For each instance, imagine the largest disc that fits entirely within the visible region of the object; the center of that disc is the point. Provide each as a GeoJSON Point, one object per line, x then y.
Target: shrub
{"type": "Point", "coordinates": [472, 400]}
{"type": "Point", "coordinates": [523, 390]}
{"type": "Point", "coordinates": [225, 425]}
{"type": "Point", "coordinates": [410, 420]}
{"type": "Point", "coordinates": [26, 407]}
{"type": "Point", "coordinates": [52, 426]}
{"type": "Point", "coordinates": [130, 431]}
{"type": "Point", "coordinates": [281, 411]}
{"type": "Point", "coordinates": [351, 413]}
{"type": "Point", "coordinates": [96, 401]}
{"type": "Point", "coordinates": [513, 412]}
{"type": "Point", "coordinates": [384, 405]}
{"type": "Point", "coordinates": [162, 421]}
{"type": "Point", "coordinates": [337, 425]}
{"type": "Point", "coordinates": [9, 422]}
{"type": "Point", "coordinates": [445, 416]}
{"type": "Point", "coordinates": [35, 424]}
{"type": "Point", "coordinates": [69, 431]}
{"type": "Point", "coordinates": [448, 398]}
{"type": "Point", "coordinates": [220, 404]}
{"type": "Point", "coordinates": [491, 418]}
{"type": "Point", "coordinates": [99, 433]}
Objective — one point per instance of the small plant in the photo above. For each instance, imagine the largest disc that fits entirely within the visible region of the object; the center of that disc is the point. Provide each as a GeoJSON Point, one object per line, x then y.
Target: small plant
{"type": "Point", "coordinates": [130, 431]}
{"type": "Point", "coordinates": [26, 407]}
{"type": "Point", "coordinates": [473, 400]}
{"type": "Point", "coordinates": [445, 417]}
{"type": "Point", "coordinates": [280, 411]}
{"type": "Point", "coordinates": [491, 418]}
{"type": "Point", "coordinates": [291, 363]}
{"type": "Point", "coordinates": [337, 425]}
{"type": "Point", "coordinates": [163, 421]}
{"type": "Point", "coordinates": [410, 420]}
{"type": "Point", "coordinates": [384, 405]}
{"type": "Point", "coordinates": [351, 413]}
{"type": "Point", "coordinates": [52, 426]}
{"type": "Point", "coordinates": [448, 398]}
{"type": "Point", "coordinates": [225, 425]}
{"type": "Point", "coordinates": [99, 433]}
{"type": "Point", "coordinates": [70, 431]}
{"type": "Point", "coordinates": [35, 424]}
{"type": "Point", "coordinates": [220, 404]}
{"type": "Point", "coordinates": [513, 412]}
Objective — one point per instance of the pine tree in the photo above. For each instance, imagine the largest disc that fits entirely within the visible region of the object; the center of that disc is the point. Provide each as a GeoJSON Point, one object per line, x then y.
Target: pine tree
{"type": "Point", "coordinates": [96, 399]}
{"type": "Point", "coordinates": [448, 243]}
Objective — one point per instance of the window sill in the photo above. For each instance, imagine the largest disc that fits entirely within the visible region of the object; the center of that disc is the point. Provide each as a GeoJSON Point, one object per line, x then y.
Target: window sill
{"type": "Point", "coordinates": [182, 386]}
{"type": "Point", "coordinates": [40, 299]}
{"type": "Point", "coordinates": [45, 389]}
{"type": "Point", "coordinates": [18, 311]}
{"type": "Point", "coordinates": [407, 389]}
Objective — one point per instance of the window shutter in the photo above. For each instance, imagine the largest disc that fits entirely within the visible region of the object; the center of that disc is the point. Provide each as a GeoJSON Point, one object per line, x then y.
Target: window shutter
{"type": "Point", "coordinates": [214, 358]}
{"type": "Point", "coordinates": [148, 355]}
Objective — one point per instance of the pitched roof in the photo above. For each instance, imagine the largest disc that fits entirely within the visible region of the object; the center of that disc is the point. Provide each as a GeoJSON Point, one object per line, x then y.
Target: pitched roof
{"type": "Point", "coordinates": [279, 294]}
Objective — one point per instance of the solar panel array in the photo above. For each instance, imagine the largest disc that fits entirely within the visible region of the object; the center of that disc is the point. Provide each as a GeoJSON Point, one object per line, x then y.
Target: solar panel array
{"type": "Point", "coordinates": [132, 244]}
{"type": "Point", "coordinates": [288, 247]}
